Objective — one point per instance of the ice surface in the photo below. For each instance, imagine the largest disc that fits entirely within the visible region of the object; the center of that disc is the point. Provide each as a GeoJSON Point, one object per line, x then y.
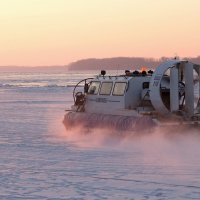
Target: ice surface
{"type": "Point", "coordinates": [41, 160]}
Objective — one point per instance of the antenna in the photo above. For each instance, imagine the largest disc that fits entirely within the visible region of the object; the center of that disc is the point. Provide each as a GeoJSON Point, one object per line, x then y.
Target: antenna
{"type": "Point", "coordinates": [176, 57]}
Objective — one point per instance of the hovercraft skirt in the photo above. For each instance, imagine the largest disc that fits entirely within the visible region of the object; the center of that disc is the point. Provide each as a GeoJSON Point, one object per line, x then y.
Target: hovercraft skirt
{"type": "Point", "coordinates": [117, 122]}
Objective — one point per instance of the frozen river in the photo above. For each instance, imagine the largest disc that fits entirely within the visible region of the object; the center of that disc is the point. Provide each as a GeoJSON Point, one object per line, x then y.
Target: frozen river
{"type": "Point", "coordinates": [41, 160]}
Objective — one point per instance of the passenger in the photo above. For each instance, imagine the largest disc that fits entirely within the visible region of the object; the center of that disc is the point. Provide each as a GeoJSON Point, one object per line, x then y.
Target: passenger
{"type": "Point", "coordinates": [86, 87]}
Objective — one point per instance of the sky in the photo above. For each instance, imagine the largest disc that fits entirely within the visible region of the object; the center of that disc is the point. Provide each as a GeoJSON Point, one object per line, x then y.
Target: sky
{"type": "Point", "coordinates": [57, 32]}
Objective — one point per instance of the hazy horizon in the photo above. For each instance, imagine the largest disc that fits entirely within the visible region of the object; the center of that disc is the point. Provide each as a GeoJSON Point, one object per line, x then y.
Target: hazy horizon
{"type": "Point", "coordinates": [58, 32]}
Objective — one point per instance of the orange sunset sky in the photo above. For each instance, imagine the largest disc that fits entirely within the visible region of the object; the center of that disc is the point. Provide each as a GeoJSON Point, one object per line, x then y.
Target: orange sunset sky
{"type": "Point", "coordinates": [50, 32]}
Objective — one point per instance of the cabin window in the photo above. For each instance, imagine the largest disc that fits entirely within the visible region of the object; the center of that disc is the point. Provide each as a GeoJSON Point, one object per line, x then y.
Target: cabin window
{"type": "Point", "coordinates": [119, 89]}
{"type": "Point", "coordinates": [145, 85]}
{"type": "Point", "coordinates": [94, 87]}
{"type": "Point", "coordinates": [106, 88]}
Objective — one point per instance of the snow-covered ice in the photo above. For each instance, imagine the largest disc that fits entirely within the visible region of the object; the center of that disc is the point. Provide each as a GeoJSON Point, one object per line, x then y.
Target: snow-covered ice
{"type": "Point", "coordinates": [39, 159]}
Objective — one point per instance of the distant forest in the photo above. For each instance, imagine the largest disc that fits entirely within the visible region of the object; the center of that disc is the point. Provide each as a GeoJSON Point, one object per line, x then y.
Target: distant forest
{"type": "Point", "coordinates": [120, 63]}
{"type": "Point", "coordinates": [98, 64]}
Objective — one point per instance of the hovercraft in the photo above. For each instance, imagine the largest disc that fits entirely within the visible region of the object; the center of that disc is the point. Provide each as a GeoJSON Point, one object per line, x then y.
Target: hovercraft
{"type": "Point", "coordinates": [139, 100]}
